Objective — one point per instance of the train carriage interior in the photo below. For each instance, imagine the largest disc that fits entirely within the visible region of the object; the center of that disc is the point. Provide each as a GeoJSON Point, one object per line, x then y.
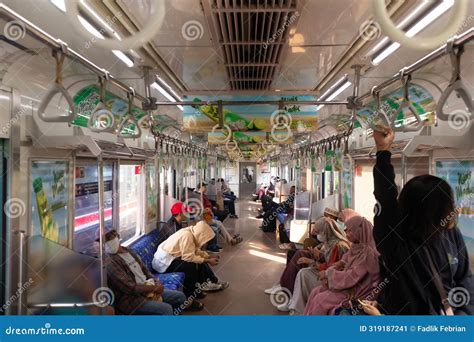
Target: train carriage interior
{"type": "Point", "coordinates": [236, 157]}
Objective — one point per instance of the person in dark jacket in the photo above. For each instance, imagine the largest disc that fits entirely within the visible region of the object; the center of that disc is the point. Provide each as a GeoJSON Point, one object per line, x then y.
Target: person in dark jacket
{"type": "Point", "coordinates": [175, 222]}
{"type": "Point", "coordinates": [423, 256]}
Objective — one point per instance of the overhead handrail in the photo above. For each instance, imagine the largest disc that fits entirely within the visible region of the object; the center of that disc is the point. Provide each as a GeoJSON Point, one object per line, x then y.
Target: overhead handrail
{"type": "Point", "coordinates": [406, 104]}
{"type": "Point", "coordinates": [379, 112]}
{"type": "Point", "coordinates": [455, 84]}
{"type": "Point", "coordinates": [130, 120]}
{"type": "Point", "coordinates": [57, 88]}
{"type": "Point", "coordinates": [102, 119]}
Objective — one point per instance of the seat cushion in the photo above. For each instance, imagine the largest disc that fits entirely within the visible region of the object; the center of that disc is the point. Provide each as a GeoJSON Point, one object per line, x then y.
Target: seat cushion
{"type": "Point", "coordinates": [146, 247]}
{"type": "Point", "coordinates": [170, 281]}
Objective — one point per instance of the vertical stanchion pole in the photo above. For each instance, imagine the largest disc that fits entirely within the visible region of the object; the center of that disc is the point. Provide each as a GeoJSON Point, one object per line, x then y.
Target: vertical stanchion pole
{"type": "Point", "coordinates": [103, 273]}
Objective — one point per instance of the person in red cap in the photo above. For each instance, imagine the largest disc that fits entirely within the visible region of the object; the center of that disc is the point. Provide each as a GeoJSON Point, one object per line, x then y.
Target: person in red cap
{"type": "Point", "coordinates": [175, 222]}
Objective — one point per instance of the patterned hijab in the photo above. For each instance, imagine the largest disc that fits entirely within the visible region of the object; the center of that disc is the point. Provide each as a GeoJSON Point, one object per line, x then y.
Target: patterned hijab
{"type": "Point", "coordinates": [329, 229]}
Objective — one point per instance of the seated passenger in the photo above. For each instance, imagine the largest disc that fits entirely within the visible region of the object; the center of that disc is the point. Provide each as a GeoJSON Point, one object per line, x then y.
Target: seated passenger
{"type": "Point", "coordinates": [354, 277]}
{"type": "Point", "coordinates": [181, 252]}
{"type": "Point", "coordinates": [174, 223]}
{"type": "Point", "coordinates": [333, 245]}
{"type": "Point", "coordinates": [200, 192]}
{"type": "Point", "coordinates": [284, 215]}
{"type": "Point", "coordinates": [222, 231]}
{"type": "Point", "coordinates": [135, 289]}
{"type": "Point", "coordinates": [423, 252]}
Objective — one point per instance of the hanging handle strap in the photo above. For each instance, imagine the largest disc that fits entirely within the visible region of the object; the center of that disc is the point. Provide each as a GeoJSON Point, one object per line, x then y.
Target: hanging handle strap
{"type": "Point", "coordinates": [102, 119]}
{"type": "Point", "coordinates": [455, 84]}
{"type": "Point", "coordinates": [57, 88]}
{"type": "Point", "coordinates": [380, 113]}
{"type": "Point", "coordinates": [130, 120]}
{"type": "Point", "coordinates": [406, 104]}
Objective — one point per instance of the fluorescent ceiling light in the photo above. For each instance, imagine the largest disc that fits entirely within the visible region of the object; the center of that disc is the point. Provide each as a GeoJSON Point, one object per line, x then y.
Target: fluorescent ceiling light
{"type": "Point", "coordinates": [59, 4]}
{"type": "Point", "coordinates": [169, 88]}
{"type": "Point", "coordinates": [123, 57]}
{"type": "Point", "coordinates": [99, 19]}
{"type": "Point", "coordinates": [91, 29]}
{"type": "Point", "coordinates": [434, 14]}
{"type": "Point", "coordinates": [166, 94]}
{"type": "Point", "coordinates": [342, 84]}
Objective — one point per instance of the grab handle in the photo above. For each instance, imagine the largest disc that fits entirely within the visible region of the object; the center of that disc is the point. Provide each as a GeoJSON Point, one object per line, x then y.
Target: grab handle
{"type": "Point", "coordinates": [130, 120]}
{"type": "Point", "coordinates": [406, 104]}
{"type": "Point", "coordinates": [455, 84]}
{"type": "Point", "coordinates": [102, 119]}
{"type": "Point", "coordinates": [379, 113]}
{"type": "Point", "coordinates": [57, 88]}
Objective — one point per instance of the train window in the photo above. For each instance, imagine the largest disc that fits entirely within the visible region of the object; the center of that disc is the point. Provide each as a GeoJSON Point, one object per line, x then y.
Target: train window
{"type": "Point", "coordinates": [131, 200]}
{"type": "Point", "coordinates": [86, 217]}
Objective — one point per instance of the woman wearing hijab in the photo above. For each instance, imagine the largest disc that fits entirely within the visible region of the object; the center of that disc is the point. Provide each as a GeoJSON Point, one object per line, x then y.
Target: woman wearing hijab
{"type": "Point", "coordinates": [353, 277]}
{"type": "Point", "coordinates": [334, 246]}
{"type": "Point", "coordinates": [335, 242]}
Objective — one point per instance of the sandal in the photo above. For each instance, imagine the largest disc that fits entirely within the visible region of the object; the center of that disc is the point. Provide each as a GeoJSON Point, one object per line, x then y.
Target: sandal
{"type": "Point", "coordinates": [195, 306]}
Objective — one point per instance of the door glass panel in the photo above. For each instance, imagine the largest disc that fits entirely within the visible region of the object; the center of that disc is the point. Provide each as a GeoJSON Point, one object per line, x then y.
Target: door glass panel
{"type": "Point", "coordinates": [86, 220]}
{"type": "Point", "coordinates": [130, 201]}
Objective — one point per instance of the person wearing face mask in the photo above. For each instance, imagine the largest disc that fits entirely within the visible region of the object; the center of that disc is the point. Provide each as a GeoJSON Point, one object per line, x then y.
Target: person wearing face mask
{"type": "Point", "coordinates": [182, 252]}
{"type": "Point", "coordinates": [136, 291]}
{"type": "Point", "coordinates": [355, 276]}
{"type": "Point", "coordinates": [334, 244]}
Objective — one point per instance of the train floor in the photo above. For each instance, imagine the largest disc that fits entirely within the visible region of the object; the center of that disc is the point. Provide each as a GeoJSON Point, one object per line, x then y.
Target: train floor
{"type": "Point", "coordinates": [250, 267]}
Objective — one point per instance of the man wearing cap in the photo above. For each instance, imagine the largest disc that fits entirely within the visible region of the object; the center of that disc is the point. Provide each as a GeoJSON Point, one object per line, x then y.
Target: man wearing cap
{"type": "Point", "coordinates": [136, 291]}
{"type": "Point", "coordinates": [174, 223]}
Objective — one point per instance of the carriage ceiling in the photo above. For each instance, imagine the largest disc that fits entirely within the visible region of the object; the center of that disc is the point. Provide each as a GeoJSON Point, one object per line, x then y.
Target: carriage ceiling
{"type": "Point", "coordinates": [250, 47]}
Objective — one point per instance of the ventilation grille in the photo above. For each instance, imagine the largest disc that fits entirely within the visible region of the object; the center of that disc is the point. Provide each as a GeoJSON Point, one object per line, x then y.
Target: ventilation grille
{"type": "Point", "coordinates": [252, 34]}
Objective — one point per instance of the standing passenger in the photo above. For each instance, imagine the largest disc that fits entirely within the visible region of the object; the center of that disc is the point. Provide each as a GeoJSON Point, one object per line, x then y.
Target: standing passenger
{"type": "Point", "coordinates": [423, 253]}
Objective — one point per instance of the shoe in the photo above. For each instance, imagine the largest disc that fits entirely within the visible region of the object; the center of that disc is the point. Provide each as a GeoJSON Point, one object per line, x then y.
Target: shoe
{"type": "Point", "coordinates": [195, 306]}
{"type": "Point", "coordinates": [286, 246]}
{"type": "Point", "coordinates": [272, 289]}
{"type": "Point", "coordinates": [224, 284]}
{"type": "Point", "coordinates": [233, 216]}
{"type": "Point", "coordinates": [213, 249]}
{"type": "Point", "coordinates": [259, 216]}
{"type": "Point", "coordinates": [236, 240]}
{"type": "Point", "coordinates": [283, 308]}
{"type": "Point", "coordinates": [213, 287]}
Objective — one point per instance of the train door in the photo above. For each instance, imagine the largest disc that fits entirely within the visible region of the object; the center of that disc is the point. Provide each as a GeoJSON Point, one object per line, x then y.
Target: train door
{"type": "Point", "coordinates": [248, 183]}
